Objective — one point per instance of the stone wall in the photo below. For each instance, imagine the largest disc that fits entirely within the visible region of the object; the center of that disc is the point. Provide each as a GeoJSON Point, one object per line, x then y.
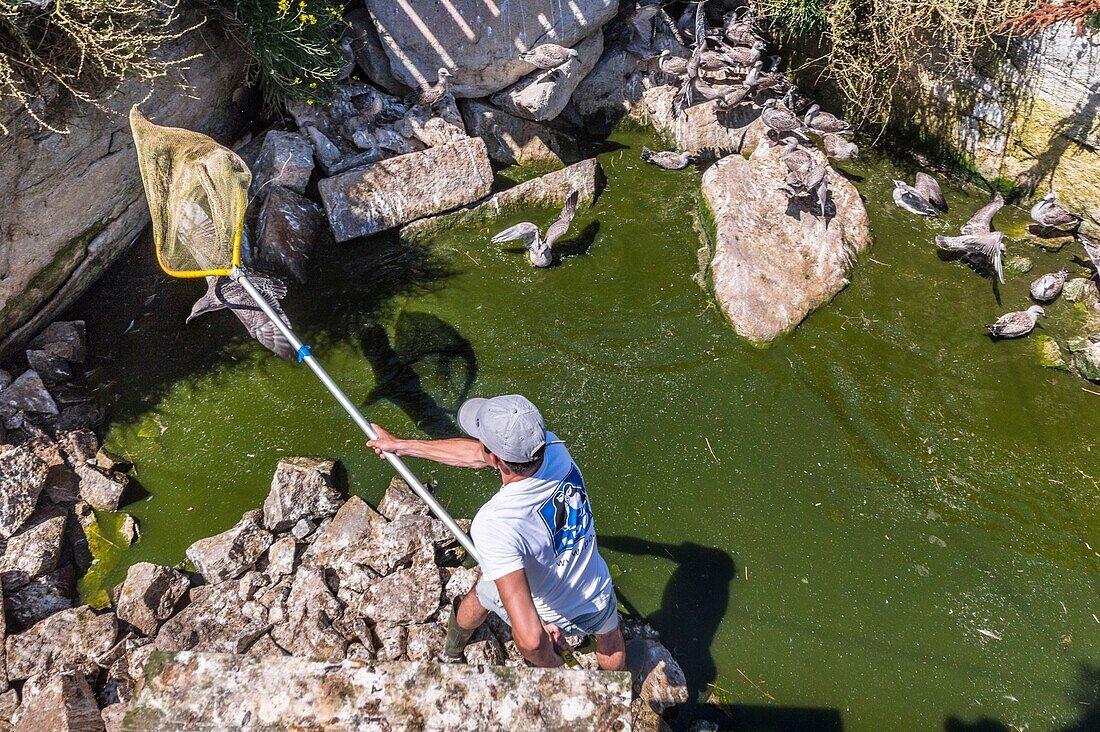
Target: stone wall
{"type": "Point", "coordinates": [74, 202]}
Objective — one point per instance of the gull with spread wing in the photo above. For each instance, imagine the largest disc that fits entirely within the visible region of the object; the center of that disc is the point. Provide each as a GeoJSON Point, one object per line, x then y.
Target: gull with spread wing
{"type": "Point", "coordinates": [539, 250]}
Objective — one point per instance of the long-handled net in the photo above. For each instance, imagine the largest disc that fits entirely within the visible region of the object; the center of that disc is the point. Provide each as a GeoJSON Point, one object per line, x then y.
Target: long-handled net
{"type": "Point", "coordinates": [197, 194]}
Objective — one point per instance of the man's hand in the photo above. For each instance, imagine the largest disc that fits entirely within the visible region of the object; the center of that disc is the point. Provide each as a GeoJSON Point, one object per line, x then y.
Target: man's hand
{"type": "Point", "coordinates": [556, 636]}
{"type": "Point", "coordinates": [385, 442]}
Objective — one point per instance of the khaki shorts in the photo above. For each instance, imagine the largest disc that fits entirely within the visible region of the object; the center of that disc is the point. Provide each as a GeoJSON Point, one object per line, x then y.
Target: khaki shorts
{"type": "Point", "coordinates": [597, 623]}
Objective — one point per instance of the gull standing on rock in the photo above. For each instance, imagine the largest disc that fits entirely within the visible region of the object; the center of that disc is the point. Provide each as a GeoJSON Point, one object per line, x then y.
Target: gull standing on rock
{"type": "Point", "coordinates": [989, 246]}
{"type": "Point", "coordinates": [825, 123]}
{"type": "Point", "coordinates": [1049, 213]}
{"type": "Point", "coordinates": [222, 292]}
{"type": "Point", "coordinates": [429, 95]}
{"type": "Point", "coordinates": [982, 220]}
{"type": "Point", "coordinates": [548, 56]}
{"type": "Point", "coordinates": [672, 65]}
{"type": "Point", "coordinates": [1014, 325]}
{"type": "Point", "coordinates": [1049, 286]}
{"type": "Point", "coordinates": [839, 148]}
{"type": "Point", "coordinates": [667, 160]}
{"type": "Point", "coordinates": [923, 199]}
{"type": "Point", "coordinates": [540, 251]}
{"type": "Point", "coordinates": [780, 120]}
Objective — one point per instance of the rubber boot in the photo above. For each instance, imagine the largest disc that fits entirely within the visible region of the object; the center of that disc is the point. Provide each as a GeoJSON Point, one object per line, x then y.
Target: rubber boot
{"type": "Point", "coordinates": [457, 636]}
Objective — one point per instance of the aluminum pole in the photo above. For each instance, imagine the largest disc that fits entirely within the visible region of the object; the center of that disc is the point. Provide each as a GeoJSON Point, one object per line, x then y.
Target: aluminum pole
{"type": "Point", "coordinates": [356, 416]}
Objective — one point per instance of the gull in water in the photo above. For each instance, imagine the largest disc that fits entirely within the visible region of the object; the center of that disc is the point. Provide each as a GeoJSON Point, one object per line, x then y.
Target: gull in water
{"type": "Point", "coordinates": [539, 250]}
{"type": "Point", "coordinates": [988, 246]}
{"type": "Point", "coordinates": [429, 95]}
{"type": "Point", "coordinates": [223, 292]}
{"type": "Point", "coordinates": [1014, 325]}
{"type": "Point", "coordinates": [667, 160]}
{"type": "Point", "coordinates": [923, 199]}
{"type": "Point", "coordinates": [1049, 286]}
{"type": "Point", "coordinates": [1053, 215]}
{"type": "Point", "coordinates": [982, 220]}
{"type": "Point", "coordinates": [548, 56]}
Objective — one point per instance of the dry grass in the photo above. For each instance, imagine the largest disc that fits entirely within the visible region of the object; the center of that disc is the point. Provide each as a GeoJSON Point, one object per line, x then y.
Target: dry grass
{"type": "Point", "coordinates": [86, 48]}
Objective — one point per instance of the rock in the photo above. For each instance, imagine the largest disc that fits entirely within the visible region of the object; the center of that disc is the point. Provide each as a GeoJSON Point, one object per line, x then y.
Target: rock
{"type": "Point", "coordinates": [311, 611]}
{"type": "Point", "coordinates": [210, 691]}
{"type": "Point", "coordinates": [461, 581]}
{"type": "Point", "coordinates": [1019, 265]}
{"type": "Point", "coordinates": [64, 339]}
{"type": "Point", "coordinates": [775, 262]}
{"type": "Point", "coordinates": [228, 554]}
{"type": "Point", "coordinates": [22, 477]}
{"type": "Point", "coordinates": [302, 488]}
{"type": "Point", "coordinates": [407, 596]}
{"type": "Point", "coordinates": [78, 416]}
{"type": "Point", "coordinates": [264, 646]}
{"type": "Point", "coordinates": [480, 48]}
{"type": "Point", "coordinates": [701, 129]}
{"type": "Point", "coordinates": [399, 500]}
{"type": "Point", "coordinates": [282, 557]}
{"type": "Point", "coordinates": [286, 159]}
{"type": "Point", "coordinates": [42, 598]}
{"type": "Point", "coordinates": [484, 649]}
{"type": "Point", "coordinates": [9, 705]}
{"type": "Point", "coordinates": [5, 379]}
{"type": "Point", "coordinates": [216, 620]}
{"type": "Point", "coordinates": [425, 641]}
{"type": "Point", "coordinates": [1086, 358]}
{"type": "Point", "coordinates": [550, 191]}
{"type": "Point", "coordinates": [74, 636]}
{"type": "Point", "coordinates": [113, 716]}
{"type": "Point", "coordinates": [128, 529]}
{"type": "Point", "coordinates": [439, 126]}
{"type": "Point", "coordinates": [392, 641]}
{"type": "Point", "coordinates": [52, 369]}
{"type": "Point", "coordinates": [395, 543]}
{"type": "Point", "coordinates": [109, 461]}
{"type": "Point", "coordinates": [658, 680]}
{"type": "Point", "coordinates": [392, 192]}
{"type": "Point", "coordinates": [541, 96]}
{"type": "Point", "coordinates": [610, 91]}
{"type": "Point", "coordinates": [60, 701]}
{"type": "Point", "coordinates": [512, 140]}
{"type": "Point", "coordinates": [63, 224]}
{"type": "Point", "coordinates": [368, 51]}
{"type": "Point", "coordinates": [34, 550]}
{"type": "Point", "coordinates": [302, 529]}
{"type": "Point", "coordinates": [80, 446]}
{"type": "Point", "coordinates": [344, 540]}
{"type": "Point", "coordinates": [1077, 289]}
{"type": "Point", "coordinates": [27, 394]}
{"type": "Point", "coordinates": [1050, 355]}
{"type": "Point", "coordinates": [288, 229]}
{"type": "Point", "coordinates": [149, 595]}
{"type": "Point", "coordinates": [101, 489]}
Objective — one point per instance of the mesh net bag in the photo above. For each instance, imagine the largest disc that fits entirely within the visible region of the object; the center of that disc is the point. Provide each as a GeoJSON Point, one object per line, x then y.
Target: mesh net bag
{"type": "Point", "coordinates": [197, 192]}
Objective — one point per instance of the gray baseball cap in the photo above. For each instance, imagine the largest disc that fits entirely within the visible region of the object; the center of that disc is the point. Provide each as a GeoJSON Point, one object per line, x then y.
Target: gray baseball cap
{"type": "Point", "coordinates": [509, 426]}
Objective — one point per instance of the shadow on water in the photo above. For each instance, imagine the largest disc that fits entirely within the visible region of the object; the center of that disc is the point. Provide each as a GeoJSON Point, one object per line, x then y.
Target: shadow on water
{"type": "Point", "coordinates": [1088, 696]}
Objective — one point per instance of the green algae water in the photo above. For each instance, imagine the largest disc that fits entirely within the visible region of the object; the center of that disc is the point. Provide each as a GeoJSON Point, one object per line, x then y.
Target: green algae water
{"type": "Point", "coordinates": [886, 520]}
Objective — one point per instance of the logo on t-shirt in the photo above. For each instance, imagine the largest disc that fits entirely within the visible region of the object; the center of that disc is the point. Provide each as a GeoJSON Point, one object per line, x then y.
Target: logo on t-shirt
{"type": "Point", "coordinates": [566, 513]}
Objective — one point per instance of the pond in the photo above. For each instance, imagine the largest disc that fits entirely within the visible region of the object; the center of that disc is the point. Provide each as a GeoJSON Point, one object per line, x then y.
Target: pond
{"type": "Point", "coordinates": [886, 520]}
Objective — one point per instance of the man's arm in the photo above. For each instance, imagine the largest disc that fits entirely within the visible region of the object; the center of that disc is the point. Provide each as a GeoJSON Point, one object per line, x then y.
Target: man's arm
{"type": "Point", "coordinates": [527, 630]}
{"type": "Point", "coordinates": [461, 452]}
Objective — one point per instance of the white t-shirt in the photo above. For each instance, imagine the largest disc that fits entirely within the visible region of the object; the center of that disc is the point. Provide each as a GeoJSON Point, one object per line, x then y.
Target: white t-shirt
{"type": "Point", "coordinates": [543, 525]}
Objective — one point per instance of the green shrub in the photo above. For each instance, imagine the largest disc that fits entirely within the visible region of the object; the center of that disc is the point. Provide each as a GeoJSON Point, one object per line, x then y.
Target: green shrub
{"type": "Point", "coordinates": [802, 18]}
{"type": "Point", "coordinates": [294, 44]}
{"type": "Point", "coordinates": [85, 47]}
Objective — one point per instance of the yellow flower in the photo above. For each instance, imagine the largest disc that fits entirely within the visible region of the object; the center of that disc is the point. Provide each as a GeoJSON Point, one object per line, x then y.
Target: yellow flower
{"type": "Point", "coordinates": [284, 7]}
{"type": "Point", "coordinates": [309, 102]}
{"type": "Point", "coordinates": [313, 85]}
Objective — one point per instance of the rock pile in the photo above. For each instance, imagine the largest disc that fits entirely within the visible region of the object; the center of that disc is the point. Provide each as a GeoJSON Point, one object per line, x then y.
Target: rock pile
{"type": "Point", "coordinates": [312, 574]}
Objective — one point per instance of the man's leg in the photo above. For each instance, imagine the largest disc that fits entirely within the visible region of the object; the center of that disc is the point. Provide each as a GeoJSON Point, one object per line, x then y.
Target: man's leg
{"type": "Point", "coordinates": [467, 615]}
{"type": "Point", "coordinates": [611, 650]}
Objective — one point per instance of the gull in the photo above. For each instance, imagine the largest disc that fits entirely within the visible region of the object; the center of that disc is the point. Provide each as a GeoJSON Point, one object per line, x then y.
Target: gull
{"type": "Point", "coordinates": [739, 29]}
{"type": "Point", "coordinates": [824, 123]}
{"type": "Point", "coordinates": [1049, 286]}
{"type": "Point", "coordinates": [1053, 215]}
{"type": "Point", "coordinates": [548, 56]}
{"type": "Point", "coordinates": [223, 292]}
{"type": "Point", "coordinates": [539, 251]}
{"type": "Point", "coordinates": [1014, 325]}
{"type": "Point", "coordinates": [672, 65]}
{"type": "Point", "coordinates": [839, 148]}
{"type": "Point", "coordinates": [429, 95]}
{"type": "Point", "coordinates": [796, 157]}
{"type": "Point", "coordinates": [989, 246]}
{"type": "Point", "coordinates": [982, 220]}
{"type": "Point", "coordinates": [923, 199]}
{"type": "Point", "coordinates": [667, 160]}
{"type": "Point", "coordinates": [780, 120]}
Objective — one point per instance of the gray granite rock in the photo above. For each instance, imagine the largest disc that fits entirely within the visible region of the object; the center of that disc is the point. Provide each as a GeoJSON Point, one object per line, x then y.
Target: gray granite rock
{"type": "Point", "coordinates": [81, 446]}
{"type": "Point", "coordinates": [395, 543]}
{"type": "Point", "coordinates": [60, 701]}
{"type": "Point", "coordinates": [22, 477]}
{"type": "Point", "coordinates": [301, 488]}
{"type": "Point", "coordinates": [407, 596]}
{"type": "Point", "coordinates": [282, 557]}
{"type": "Point", "coordinates": [1086, 358]}
{"type": "Point", "coordinates": [395, 191]}
{"type": "Point", "coordinates": [216, 620]}
{"type": "Point", "coordinates": [399, 500]}
{"type": "Point", "coordinates": [34, 550]}
{"type": "Point", "coordinates": [286, 159]}
{"type": "Point", "coordinates": [391, 641]}
{"type": "Point", "coordinates": [701, 129]}
{"type": "Point", "coordinates": [368, 51]}
{"type": "Point", "coordinates": [42, 597]}
{"type": "Point", "coordinates": [52, 369]}
{"type": "Point", "coordinates": [288, 229]}
{"type": "Point", "coordinates": [99, 488]}
{"type": "Point", "coordinates": [425, 641]}
{"type": "Point", "coordinates": [541, 96]}
{"type": "Point", "coordinates": [484, 649]}
{"type": "Point", "coordinates": [63, 338]}
{"type": "Point", "coordinates": [344, 539]}
{"type": "Point", "coordinates": [513, 140]}
{"type": "Point", "coordinates": [73, 636]}
{"type": "Point", "coordinates": [149, 595]}
{"type": "Point", "coordinates": [27, 394]}
{"type": "Point", "coordinates": [311, 612]}
{"type": "Point", "coordinates": [227, 555]}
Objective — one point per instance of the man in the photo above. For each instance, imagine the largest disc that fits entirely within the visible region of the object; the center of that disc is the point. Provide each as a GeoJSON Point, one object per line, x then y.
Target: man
{"type": "Point", "coordinates": [541, 570]}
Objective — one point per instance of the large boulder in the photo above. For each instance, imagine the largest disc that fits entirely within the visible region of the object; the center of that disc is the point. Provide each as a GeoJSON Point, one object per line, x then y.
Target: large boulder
{"type": "Point", "coordinates": [659, 682]}
{"type": "Point", "coordinates": [149, 594]}
{"type": "Point", "coordinates": [478, 41]}
{"type": "Point", "coordinates": [406, 596]}
{"type": "Point", "coordinates": [227, 555]}
{"type": "Point", "coordinates": [22, 477]}
{"type": "Point", "coordinates": [99, 488]}
{"type": "Point", "coordinates": [218, 620]}
{"type": "Point", "coordinates": [288, 229]}
{"type": "Point", "coordinates": [74, 636]}
{"type": "Point", "coordinates": [513, 140]}
{"type": "Point", "coordinates": [344, 540]}
{"type": "Point", "coordinates": [775, 260]}
{"type": "Point", "coordinates": [399, 500]}
{"type": "Point", "coordinates": [701, 129]}
{"type": "Point", "coordinates": [541, 96]}
{"type": "Point", "coordinates": [311, 612]}
{"type": "Point", "coordinates": [395, 191]}
{"type": "Point", "coordinates": [33, 551]}
{"type": "Point", "coordinates": [302, 488]}
{"type": "Point", "coordinates": [61, 701]}
{"type": "Point", "coordinates": [285, 159]}
{"type": "Point", "coordinates": [369, 54]}
{"type": "Point", "coordinates": [74, 202]}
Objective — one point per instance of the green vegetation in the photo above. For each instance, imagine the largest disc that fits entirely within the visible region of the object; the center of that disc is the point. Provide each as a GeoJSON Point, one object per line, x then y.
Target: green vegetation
{"type": "Point", "coordinates": [295, 47]}
{"type": "Point", "coordinates": [85, 47]}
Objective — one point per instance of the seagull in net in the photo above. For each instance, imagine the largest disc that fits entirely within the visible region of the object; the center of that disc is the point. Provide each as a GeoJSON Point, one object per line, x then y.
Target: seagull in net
{"type": "Point", "coordinates": [548, 56]}
{"type": "Point", "coordinates": [429, 95]}
{"type": "Point", "coordinates": [1049, 286]}
{"type": "Point", "coordinates": [825, 123]}
{"type": "Point", "coordinates": [982, 220]}
{"type": "Point", "coordinates": [667, 160]}
{"type": "Point", "coordinates": [840, 148]}
{"type": "Point", "coordinates": [1014, 325]}
{"type": "Point", "coordinates": [989, 246]}
{"type": "Point", "coordinates": [1050, 213]}
{"type": "Point", "coordinates": [923, 199]}
{"type": "Point", "coordinates": [539, 250]}
{"type": "Point", "coordinates": [223, 292]}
